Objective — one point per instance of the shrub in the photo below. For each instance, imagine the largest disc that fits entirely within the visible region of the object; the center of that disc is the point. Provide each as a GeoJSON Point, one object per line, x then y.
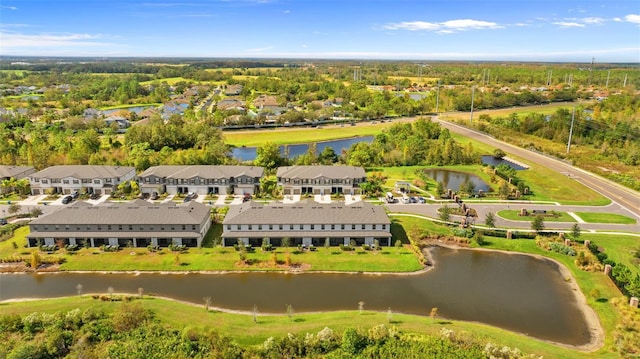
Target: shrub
{"type": "Point", "coordinates": [561, 248]}
{"type": "Point", "coordinates": [346, 248]}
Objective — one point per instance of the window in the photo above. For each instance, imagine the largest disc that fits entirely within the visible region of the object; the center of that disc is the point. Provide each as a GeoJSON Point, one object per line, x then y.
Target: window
{"type": "Point", "coordinates": [96, 181]}
{"type": "Point", "coordinates": [184, 227]}
{"type": "Point", "coordinates": [108, 180]}
{"type": "Point", "coordinates": [119, 227]}
{"type": "Point", "coordinates": [65, 181]}
{"type": "Point", "coordinates": [108, 227]}
{"type": "Point", "coordinates": [130, 227]}
{"type": "Point", "coordinates": [193, 228]}
{"type": "Point", "coordinates": [76, 181]}
{"type": "Point", "coordinates": [44, 181]}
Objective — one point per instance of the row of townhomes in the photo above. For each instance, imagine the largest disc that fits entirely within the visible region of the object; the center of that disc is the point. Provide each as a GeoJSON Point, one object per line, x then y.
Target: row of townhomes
{"type": "Point", "coordinates": [306, 223]}
{"type": "Point", "coordinates": [136, 224]}
{"type": "Point", "coordinates": [202, 179]}
{"type": "Point", "coordinates": [142, 223]}
{"type": "Point", "coordinates": [322, 180]}
{"type": "Point", "coordinates": [81, 178]}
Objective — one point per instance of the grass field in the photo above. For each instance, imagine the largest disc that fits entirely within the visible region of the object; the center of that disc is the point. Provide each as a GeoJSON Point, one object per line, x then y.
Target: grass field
{"type": "Point", "coordinates": [515, 216]}
{"type": "Point", "coordinates": [245, 332]}
{"type": "Point", "coordinates": [601, 217]}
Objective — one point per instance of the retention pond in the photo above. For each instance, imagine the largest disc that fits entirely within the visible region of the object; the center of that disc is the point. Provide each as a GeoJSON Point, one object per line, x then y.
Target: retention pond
{"type": "Point", "coordinates": [515, 292]}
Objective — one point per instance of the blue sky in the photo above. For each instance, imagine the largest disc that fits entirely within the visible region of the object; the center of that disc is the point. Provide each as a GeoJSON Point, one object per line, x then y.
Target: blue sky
{"type": "Point", "coordinates": [502, 30]}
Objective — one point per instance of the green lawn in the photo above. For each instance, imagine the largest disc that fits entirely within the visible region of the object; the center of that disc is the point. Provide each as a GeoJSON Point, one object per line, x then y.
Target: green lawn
{"type": "Point", "coordinates": [514, 216]}
{"type": "Point", "coordinates": [601, 217]}
{"type": "Point", "coordinates": [254, 138]}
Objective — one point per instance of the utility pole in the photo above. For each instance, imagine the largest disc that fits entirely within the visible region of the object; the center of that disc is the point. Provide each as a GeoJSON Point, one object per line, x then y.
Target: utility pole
{"type": "Point", "coordinates": [438, 96]}
{"type": "Point", "coordinates": [573, 116]}
{"type": "Point", "coordinates": [624, 84]}
{"type": "Point", "coordinates": [473, 93]}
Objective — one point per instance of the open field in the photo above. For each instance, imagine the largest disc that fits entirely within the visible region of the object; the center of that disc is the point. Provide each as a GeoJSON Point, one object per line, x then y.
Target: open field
{"type": "Point", "coordinates": [515, 216]}
{"type": "Point", "coordinates": [602, 217]}
{"type": "Point", "coordinates": [521, 111]}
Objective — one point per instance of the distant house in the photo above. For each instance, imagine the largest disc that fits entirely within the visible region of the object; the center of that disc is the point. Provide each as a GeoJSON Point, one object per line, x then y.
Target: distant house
{"type": "Point", "coordinates": [306, 223]}
{"type": "Point", "coordinates": [203, 179]}
{"type": "Point", "coordinates": [229, 104]}
{"type": "Point", "coordinates": [15, 172]}
{"type": "Point", "coordinates": [233, 90]}
{"type": "Point", "coordinates": [91, 113]}
{"type": "Point", "coordinates": [121, 122]}
{"type": "Point", "coordinates": [265, 100]}
{"type": "Point", "coordinates": [296, 180]}
{"type": "Point", "coordinates": [81, 178]}
{"type": "Point", "coordinates": [136, 224]}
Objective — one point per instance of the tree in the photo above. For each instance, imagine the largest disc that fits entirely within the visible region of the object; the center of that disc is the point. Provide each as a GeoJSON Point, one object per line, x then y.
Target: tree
{"type": "Point", "coordinates": [489, 219]}
{"type": "Point", "coordinates": [444, 213]}
{"type": "Point", "coordinates": [286, 242]}
{"type": "Point", "coordinates": [504, 190]}
{"type": "Point", "coordinates": [35, 212]}
{"type": "Point", "coordinates": [498, 153]}
{"type": "Point", "coordinates": [537, 224]}
{"type": "Point", "coordinates": [268, 156]}
{"type": "Point", "coordinates": [575, 231]}
{"type": "Point", "coordinates": [14, 208]}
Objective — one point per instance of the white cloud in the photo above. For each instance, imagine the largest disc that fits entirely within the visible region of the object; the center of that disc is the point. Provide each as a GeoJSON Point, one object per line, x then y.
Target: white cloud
{"type": "Point", "coordinates": [287, 12]}
{"type": "Point", "coordinates": [413, 26]}
{"type": "Point", "coordinates": [633, 18]}
{"type": "Point", "coordinates": [445, 27]}
{"type": "Point", "coordinates": [567, 24]}
{"type": "Point", "coordinates": [8, 7]}
{"type": "Point", "coordinates": [617, 19]}
{"type": "Point", "coordinates": [12, 40]}
{"type": "Point", "coordinates": [593, 20]}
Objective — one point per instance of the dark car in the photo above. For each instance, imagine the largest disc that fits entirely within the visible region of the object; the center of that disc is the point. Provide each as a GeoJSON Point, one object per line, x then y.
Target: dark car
{"type": "Point", "coordinates": [421, 199]}
{"type": "Point", "coordinates": [94, 196]}
{"type": "Point", "coordinates": [67, 200]}
{"type": "Point", "coordinates": [3, 221]}
{"type": "Point", "coordinates": [246, 197]}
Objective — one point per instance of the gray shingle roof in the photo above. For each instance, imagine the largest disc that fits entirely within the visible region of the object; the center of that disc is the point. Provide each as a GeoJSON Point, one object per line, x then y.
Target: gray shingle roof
{"type": "Point", "coordinates": [137, 212]}
{"type": "Point", "coordinates": [337, 172]}
{"type": "Point", "coordinates": [309, 212]}
{"type": "Point", "coordinates": [203, 171]}
{"type": "Point", "coordinates": [84, 171]}
{"type": "Point", "coordinates": [13, 171]}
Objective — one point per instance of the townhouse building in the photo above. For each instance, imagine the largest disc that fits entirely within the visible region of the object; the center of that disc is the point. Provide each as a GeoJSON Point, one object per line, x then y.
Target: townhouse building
{"type": "Point", "coordinates": [298, 180]}
{"type": "Point", "coordinates": [306, 223]}
{"type": "Point", "coordinates": [135, 224]}
{"type": "Point", "coordinates": [82, 178]}
{"type": "Point", "coordinates": [201, 179]}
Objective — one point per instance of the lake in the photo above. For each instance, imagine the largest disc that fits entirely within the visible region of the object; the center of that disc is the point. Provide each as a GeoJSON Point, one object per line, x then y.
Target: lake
{"type": "Point", "coordinates": [516, 292]}
{"type": "Point", "coordinates": [295, 150]}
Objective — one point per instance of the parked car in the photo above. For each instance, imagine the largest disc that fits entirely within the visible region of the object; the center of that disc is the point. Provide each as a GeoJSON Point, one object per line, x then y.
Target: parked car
{"type": "Point", "coordinates": [67, 200]}
{"type": "Point", "coordinates": [75, 194]}
{"type": "Point", "coordinates": [154, 196]}
{"type": "Point", "coordinates": [94, 196]}
{"type": "Point", "coordinates": [246, 197]}
{"type": "Point", "coordinates": [3, 221]}
{"type": "Point", "coordinates": [406, 200]}
{"type": "Point", "coordinates": [421, 199]}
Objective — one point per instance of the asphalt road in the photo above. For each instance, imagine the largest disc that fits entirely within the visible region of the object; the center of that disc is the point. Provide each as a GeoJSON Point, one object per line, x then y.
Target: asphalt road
{"type": "Point", "coordinates": [622, 196]}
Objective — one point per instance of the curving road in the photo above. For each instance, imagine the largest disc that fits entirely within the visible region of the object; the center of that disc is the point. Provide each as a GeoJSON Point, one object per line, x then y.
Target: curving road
{"type": "Point", "coordinates": [622, 196]}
